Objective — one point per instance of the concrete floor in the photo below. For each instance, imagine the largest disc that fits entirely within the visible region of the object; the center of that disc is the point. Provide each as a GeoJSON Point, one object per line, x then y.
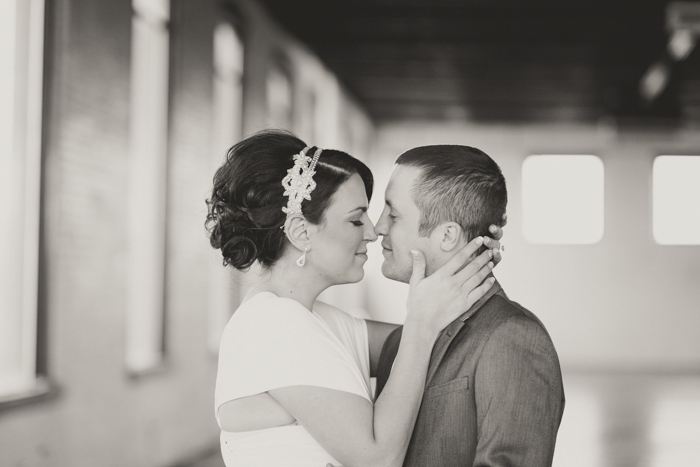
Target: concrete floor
{"type": "Point", "coordinates": [614, 420]}
{"type": "Point", "coordinates": [212, 461]}
{"type": "Point", "coordinates": [630, 420]}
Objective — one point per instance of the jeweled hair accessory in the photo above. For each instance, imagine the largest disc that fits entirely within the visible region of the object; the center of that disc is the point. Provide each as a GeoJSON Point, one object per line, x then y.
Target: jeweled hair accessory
{"type": "Point", "coordinates": [299, 182]}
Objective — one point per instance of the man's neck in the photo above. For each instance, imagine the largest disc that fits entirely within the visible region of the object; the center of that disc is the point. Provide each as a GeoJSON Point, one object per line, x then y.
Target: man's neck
{"type": "Point", "coordinates": [495, 288]}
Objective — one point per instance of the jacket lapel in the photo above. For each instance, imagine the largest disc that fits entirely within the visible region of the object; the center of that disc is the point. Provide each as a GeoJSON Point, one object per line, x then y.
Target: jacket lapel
{"type": "Point", "coordinates": [441, 346]}
{"type": "Point", "coordinates": [448, 334]}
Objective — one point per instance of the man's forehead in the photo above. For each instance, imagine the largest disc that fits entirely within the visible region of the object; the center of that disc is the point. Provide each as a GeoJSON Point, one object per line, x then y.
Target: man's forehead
{"type": "Point", "coordinates": [402, 179]}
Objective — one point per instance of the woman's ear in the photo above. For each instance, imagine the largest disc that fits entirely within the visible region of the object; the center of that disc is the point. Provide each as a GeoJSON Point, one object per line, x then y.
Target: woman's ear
{"type": "Point", "coordinates": [296, 229]}
{"type": "Point", "coordinates": [450, 236]}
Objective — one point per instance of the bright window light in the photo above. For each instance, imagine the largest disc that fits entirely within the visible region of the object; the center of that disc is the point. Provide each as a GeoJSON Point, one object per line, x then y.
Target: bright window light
{"type": "Point", "coordinates": [279, 98]}
{"type": "Point", "coordinates": [223, 282]}
{"type": "Point", "coordinates": [676, 200]}
{"type": "Point", "coordinates": [21, 94]}
{"type": "Point", "coordinates": [147, 186]}
{"type": "Point", "coordinates": [563, 199]}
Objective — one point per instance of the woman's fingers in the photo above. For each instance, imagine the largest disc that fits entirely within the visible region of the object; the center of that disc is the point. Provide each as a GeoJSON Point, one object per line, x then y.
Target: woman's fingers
{"type": "Point", "coordinates": [456, 263]}
{"type": "Point", "coordinates": [492, 244]}
{"type": "Point", "coordinates": [496, 231]}
{"type": "Point", "coordinates": [478, 293]}
{"type": "Point", "coordinates": [473, 267]}
{"type": "Point", "coordinates": [497, 256]}
{"type": "Point", "coordinates": [477, 280]}
{"type": "Point", "coordinates": [495, 247]}
{"type": "Point", "coordinates": [418, 273]}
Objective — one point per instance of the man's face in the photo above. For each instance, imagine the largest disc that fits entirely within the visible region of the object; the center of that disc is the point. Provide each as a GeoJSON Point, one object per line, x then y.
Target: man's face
{"type": "Point", "coordinates": [399, 225]}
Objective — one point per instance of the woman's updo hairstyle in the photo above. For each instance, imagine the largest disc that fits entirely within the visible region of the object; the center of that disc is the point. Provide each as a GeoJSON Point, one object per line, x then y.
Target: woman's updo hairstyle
{"type": "Point", "coordinates": [245, 215]}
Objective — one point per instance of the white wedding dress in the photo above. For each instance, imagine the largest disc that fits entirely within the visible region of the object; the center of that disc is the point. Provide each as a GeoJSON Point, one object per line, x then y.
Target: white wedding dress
{"type": "Point", "coordinates": [272, 342]}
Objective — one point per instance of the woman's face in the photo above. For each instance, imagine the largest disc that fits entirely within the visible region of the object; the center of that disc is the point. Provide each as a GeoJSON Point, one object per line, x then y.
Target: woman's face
{"type": "Point", "coordinates": [339, 246]}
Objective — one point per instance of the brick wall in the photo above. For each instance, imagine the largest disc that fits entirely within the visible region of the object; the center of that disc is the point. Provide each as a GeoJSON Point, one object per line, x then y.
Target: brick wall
{"type": "Point", "coordinates": [102, 416]}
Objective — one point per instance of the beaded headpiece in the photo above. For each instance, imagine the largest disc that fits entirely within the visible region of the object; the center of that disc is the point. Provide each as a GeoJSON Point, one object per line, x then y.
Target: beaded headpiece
{"type": "Point", "coordinates": [299, 182]}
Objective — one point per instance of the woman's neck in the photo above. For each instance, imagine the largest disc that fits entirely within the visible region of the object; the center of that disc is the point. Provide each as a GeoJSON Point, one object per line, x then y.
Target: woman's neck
{"type": "Point", "coordinates": [288, 280]}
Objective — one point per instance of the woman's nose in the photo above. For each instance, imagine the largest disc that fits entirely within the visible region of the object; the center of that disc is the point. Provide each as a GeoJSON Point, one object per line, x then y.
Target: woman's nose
{"type": "Point", "coordinates": [370, 234]}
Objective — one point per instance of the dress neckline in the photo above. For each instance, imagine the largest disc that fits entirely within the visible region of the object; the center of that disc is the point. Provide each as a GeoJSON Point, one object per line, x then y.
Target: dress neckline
{"type": "Point", "coordinates": [257, 294]}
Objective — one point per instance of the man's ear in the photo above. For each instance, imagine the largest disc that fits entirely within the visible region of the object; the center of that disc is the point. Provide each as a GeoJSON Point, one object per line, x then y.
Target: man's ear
{"type": "Point", "coordinates": [448, 236]}
{"type": "Point", "coordinates": [296, 228]}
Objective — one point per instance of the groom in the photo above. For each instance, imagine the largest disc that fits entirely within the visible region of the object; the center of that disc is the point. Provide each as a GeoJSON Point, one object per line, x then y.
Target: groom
{"type": "Point", "coordinates": [494, 393]}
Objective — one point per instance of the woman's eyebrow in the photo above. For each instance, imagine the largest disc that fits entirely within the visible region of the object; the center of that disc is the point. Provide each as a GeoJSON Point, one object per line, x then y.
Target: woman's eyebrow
{"type": "Point", "coordinates": [361, 208]}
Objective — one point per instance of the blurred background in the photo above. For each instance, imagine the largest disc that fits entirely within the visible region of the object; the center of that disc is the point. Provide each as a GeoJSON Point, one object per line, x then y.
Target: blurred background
{"type": "Point", "coordinates": [114, 115]}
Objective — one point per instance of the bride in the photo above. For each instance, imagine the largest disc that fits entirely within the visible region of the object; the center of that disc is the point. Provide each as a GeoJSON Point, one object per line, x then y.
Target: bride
{"type": "Point", "coordinates": [293, 383]}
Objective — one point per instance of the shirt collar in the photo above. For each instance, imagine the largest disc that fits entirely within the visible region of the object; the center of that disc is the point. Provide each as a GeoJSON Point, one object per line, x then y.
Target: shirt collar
{"type": "Point", "coordinates": [475, 307]}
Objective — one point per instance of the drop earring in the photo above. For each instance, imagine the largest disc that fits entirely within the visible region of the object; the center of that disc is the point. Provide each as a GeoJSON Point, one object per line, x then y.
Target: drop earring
{"type": "Point", "coordinates": [302, 259]}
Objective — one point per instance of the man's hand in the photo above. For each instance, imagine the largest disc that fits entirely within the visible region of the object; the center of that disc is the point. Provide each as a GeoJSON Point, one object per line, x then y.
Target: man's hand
{"type": "Point", "coordinates": [436, 301]}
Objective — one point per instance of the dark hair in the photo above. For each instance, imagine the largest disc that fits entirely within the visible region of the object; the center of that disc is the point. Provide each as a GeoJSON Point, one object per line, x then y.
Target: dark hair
{"type": "Point", "coordinates": [457, 184]}
{"type": "Point", "coordinates": [245, 215]}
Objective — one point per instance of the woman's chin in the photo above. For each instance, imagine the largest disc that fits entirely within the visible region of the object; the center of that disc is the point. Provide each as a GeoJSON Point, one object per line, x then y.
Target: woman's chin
{"type": "Point", "coordinates": [354, 272]}
{"type": "Point", "coordinates": [357, 276]}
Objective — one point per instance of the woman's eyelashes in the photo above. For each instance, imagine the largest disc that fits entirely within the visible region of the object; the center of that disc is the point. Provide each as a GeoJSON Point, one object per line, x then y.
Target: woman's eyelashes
{"type": "Point", "coordinates": [357, 223]}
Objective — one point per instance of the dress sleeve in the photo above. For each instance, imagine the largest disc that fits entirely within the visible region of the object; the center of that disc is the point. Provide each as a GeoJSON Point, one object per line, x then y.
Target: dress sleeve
{"type": "Point", "coordinates": [351, 331]}
{"type": "Point", "coordinates": [279, 343]}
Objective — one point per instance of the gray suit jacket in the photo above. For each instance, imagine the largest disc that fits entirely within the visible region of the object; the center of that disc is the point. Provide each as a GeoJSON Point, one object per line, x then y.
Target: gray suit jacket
{"type": "Point", "coordinates": [494, 393]}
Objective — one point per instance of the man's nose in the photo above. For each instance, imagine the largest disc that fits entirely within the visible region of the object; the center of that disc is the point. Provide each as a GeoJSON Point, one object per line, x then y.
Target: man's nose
{"type": "Point", "coordinates": [380, 228]}
{"type": "Point", "coordinates": [370, 234]}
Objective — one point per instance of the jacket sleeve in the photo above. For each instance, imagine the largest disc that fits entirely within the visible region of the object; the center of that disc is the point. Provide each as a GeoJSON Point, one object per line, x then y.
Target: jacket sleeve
{"type": "Point", "coordinates": [519, 396]}
{"type": "Point", "coordinates": [386, 359]}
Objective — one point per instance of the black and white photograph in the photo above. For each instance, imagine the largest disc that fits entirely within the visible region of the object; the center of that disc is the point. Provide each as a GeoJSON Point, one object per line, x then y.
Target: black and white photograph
{"type": "Point", "coordinates": [334, 233]}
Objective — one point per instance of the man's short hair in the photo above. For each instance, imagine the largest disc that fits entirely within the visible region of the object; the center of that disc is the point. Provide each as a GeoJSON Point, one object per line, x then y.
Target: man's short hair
{"type": "Point", "coordinates": [457, 184]}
